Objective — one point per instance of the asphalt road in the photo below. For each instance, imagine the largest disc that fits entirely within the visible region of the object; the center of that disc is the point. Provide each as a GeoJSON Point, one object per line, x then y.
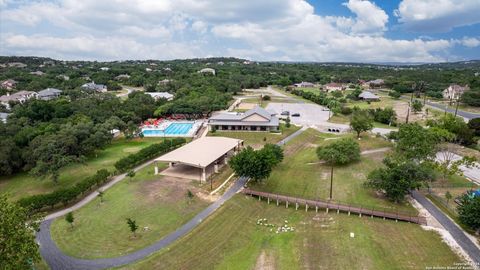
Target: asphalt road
{"type": "Point", "coordinates": [57, 260]}
{"type": "Point", "coordinates": [470, 248]}
{"type": "Point", "coordinates": [464, 114]}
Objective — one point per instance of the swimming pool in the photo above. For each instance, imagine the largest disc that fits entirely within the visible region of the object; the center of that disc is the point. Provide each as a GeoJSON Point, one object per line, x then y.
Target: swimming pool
{"type": "Point", "coordinates": [174, 129]}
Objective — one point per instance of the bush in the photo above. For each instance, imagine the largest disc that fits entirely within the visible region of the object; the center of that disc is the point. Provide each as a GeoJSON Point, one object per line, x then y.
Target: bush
{"type": "Point", "coordinates": [346, 110]}
{"type": "Point", "coordinates": [266, 97]}
{"type": "Point", "coordinates": [36, 203]}
{"type": "Point", "coordinates": [395, 94]}
{"type": "Point", "coordinates": [130, 161]}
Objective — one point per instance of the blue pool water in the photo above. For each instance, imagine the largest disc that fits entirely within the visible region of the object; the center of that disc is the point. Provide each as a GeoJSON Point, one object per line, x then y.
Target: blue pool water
{"type": "Point", "coordinates": [172, 129]}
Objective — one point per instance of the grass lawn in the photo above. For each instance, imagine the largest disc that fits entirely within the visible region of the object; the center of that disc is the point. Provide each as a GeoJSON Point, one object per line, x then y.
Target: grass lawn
{"type": "Point", "coordinates": [231, 239]}
{"type": "Point", "coordinates": [100, 229]}
{"type": "Point", "coordinates": [256, 138]}
{"type": "Point", "coordinates": [301, 174]}
{"type": "Point", "coordinates": [23, 184]}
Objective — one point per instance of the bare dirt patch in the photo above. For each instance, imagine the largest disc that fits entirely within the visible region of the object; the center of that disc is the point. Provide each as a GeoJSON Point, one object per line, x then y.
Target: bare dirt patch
{"type": "Point", "coordinates": [266, 261]}
{"type": "Point", "coordinates": [246, 106]}
{"type": "Point", "coordinates": [170, 189]}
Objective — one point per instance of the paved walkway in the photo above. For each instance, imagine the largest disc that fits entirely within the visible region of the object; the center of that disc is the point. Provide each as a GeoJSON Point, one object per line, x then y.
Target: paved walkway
{"type": "Point", "coordinates": [466, 243]}
{"type": "Point", "coordinates": [471, 173]}
{"type": "Point", "coordinates": [56, 259]}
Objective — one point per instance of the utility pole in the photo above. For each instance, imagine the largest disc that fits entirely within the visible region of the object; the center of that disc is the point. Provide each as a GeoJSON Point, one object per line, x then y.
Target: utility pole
{"type": "Point", "coordinates": [408, 111]}
{"type": "Point", "coordinates": [456, 107]}
{"type": "Point", "coordinates": [331, 182]}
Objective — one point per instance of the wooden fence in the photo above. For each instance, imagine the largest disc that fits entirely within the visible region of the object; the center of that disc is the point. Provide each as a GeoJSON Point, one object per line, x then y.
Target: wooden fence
{"type": "Point", "coordinates": [329, 206]}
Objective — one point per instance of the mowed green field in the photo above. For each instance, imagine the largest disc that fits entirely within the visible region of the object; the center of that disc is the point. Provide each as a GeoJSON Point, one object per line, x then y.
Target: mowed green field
{"type": "Point", "coordinates": [158, 204]}
{"type": "Point", "coordinates": [258, 139]}
{"type": "Point", "coordinates": [231, 239]}
{"type": "Point", "coordinates": [24, 184]}
{"type": "Point", "coordinates": [301, 174]}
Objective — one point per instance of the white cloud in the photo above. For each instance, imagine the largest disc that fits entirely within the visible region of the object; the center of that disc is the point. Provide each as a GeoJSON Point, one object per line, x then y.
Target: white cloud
{"type": "Point", "coordinates": [469, 42]}
{"type": "Point", "coordinates": [166, 29]}
{"type": "Point", "coordinates": [438, 15]}
{"type": "Point", "coordinates": [370, 18]}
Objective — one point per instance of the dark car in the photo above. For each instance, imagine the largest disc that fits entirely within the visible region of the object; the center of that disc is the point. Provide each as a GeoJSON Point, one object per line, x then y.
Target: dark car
{"type": "Point", "coordinates": [285, 113]}
{"type": "Point", "coordinates": [296, 115]}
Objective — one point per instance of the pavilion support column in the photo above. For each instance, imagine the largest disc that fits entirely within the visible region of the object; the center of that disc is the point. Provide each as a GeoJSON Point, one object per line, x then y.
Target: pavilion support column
{"type": "Point", "coordinates": [225, 160]}
{"type": "Point", "coordinates": [156, 168]}
{"type": "Point", "coordinates": [215, 167]}
{"type": "Point", "coordinates": [170, 164]}
{"type": "Point", "coordinates": [204, 176]}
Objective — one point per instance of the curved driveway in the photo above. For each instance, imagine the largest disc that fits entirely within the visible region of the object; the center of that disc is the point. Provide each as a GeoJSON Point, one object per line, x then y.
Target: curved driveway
{"type": "Point", "coordinates": [56, 259]}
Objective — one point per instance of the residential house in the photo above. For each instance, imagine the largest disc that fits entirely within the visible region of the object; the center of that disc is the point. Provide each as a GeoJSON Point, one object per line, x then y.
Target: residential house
{"type": "Point", "coordinates": [455, 91]}
{"type": "Point", "coordinates": [374, 84]}
{"type": "Point", "coordinates": [104, 68]}
{"type": "Point", "coordinates": [160, 95]}
{"type": "Point", "coordinates": [17, 65]}
{"type": "Point", "coordinates": [3, 117]}
{"type": "Point", "coordinates": [207, 71]}
{"type": "Point", "coordinates": [369, 96]}
{"type": "Point", "coordinates": [63, 77]}
{"type": "Point", "coordinates": [92, 86]}
{"type": "Point", "coordinates": [19, 97]}
{"type": "Point", "coordinates": [49, 93]}
{"type": "Point", "coordinates": [164, 82]}
{"type": "Point", "coordinates": [256, 119]}
{"type": "Point", "coordinates": [37, 73]}
{"type": "Point", "coordinates": [304, 84]}
{"type": "Point", "coordinates": [122, 77]}
{"type": "Point", "coordinates": [330, 87]}
{"type": "Point", "coordinates": [8, 84]}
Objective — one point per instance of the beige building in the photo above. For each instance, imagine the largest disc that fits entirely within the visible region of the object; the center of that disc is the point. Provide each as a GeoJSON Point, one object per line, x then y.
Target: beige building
{"type": "Point", "coordinates": [200, 158]}
{"type": "Point", "coordinates": [256, 119]}
{"type": "Point", "coordinates": [455, 91]}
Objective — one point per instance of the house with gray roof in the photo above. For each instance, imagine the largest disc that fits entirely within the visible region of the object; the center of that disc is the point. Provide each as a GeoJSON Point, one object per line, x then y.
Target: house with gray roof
{"type": "Point", "coordinates": [92, 86]}
{"type": "Point", "coordinates": [3, 117]}
{"type": "Point", "coordinates": [49, 93]}
{"type": "Point", "coordinates": [160, 95]}
{"type": "Point", "coordinates": [256, 119]}
{"type": "Point", "coordinates": [366, 95]}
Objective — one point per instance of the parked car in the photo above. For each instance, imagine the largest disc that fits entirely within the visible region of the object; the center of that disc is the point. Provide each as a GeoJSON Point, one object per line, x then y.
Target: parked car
{"type": "Point", "coordinates": [296, 115]}
{"type": "Point", "coordinates": [285, 113]}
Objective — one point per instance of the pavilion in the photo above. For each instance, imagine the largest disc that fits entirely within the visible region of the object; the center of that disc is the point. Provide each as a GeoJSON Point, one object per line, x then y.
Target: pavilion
{"type": "Point", "coordinates": [200, 158]}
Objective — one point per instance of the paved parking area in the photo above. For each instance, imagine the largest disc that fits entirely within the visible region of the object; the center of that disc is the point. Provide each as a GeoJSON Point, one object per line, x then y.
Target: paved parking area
{"type": "Point", "coordinates": [310, 114]}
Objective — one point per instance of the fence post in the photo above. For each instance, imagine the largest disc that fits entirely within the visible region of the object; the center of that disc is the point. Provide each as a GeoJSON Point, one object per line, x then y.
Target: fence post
{"type": "Point", "coordinates": [338, 208]}
{"type": "Point", "coordinates": [360, 212]}
{"type": "Point", "coordinates": [277, 200]}
{"type": "Point", "coordinates": [349, 210]}
{"type": "Point", "coordinates": [268, 200]}
{"type": "Point", "coordinates": [286, 205]}
{"type": "Point", "coordinates": [372, 212]}
{"type": "Point", "coordinates": [306, 207]}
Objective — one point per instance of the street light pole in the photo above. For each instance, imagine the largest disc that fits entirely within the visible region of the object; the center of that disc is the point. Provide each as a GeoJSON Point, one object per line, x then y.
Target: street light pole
{"type": "Point", "coordinates": [331, 182]}
{"type": "Point", "coordinates": [456, 108]}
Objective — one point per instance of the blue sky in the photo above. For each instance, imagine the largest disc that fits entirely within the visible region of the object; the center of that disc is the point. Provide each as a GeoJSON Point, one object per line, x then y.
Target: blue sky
{"type": "Point", "coordinates": [285, 30]}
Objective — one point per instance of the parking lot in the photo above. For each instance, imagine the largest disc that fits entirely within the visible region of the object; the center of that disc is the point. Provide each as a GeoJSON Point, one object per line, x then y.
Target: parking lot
{"type": "Point", "coordinates": [310, 114]}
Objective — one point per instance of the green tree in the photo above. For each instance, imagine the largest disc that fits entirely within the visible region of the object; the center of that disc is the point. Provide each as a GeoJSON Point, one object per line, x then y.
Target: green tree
{"type": "Point", "coordinates": [448, 196]}
{"type": "Point", "coordinates": [287, 122]}
{"type": "Point", "coordinates": [132, 225]}
{"type": "Point", "coordinates": [340, 152]}
{"type": "Point", "coordinates": [417, 106]}
{"type": "Point", "coordinates": [256, 164]}
{"type": "Point", "coordinates": [131, 174]}
{"type": "Point", "coordinates": [361, 121]}
{"type": "Point", "coordinates": [398, 178]}
{"type": "Point", "coordinates": [415, 142]}
{"type": "Point", "coordinates": [18, 248]}
{"type": "Point", "coordinates": [70, 218]}
{"type": "Point", "coordinates": [100, 194]}
{"type": "Point", "coordinates": [469, 211]}
{"type": "Point", "coordinates": [474, 124]}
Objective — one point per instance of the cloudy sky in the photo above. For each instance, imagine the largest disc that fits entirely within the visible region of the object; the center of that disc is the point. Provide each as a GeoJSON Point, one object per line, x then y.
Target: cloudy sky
{"type": "Point", "coordinates": [286, 30]}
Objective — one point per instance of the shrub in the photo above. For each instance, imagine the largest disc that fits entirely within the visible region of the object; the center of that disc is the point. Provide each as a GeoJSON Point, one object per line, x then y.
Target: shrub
{"type": "Point", "coordinates": [132, 160]}
{"type": "Point", "coordinates": [346, 110]}
{"type": "Point", "coordinates": [66, 195]}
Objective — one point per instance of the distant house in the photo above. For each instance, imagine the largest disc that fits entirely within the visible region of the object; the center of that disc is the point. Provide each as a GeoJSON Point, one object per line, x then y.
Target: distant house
{"type": "Point", "coordinates": [369, 96]}
{"type": "Point", "coordinates": [8, 84]}
{"type": "Point", "coordinates": [63, 77]}
{"type": "Point", "coordinates": [160, 95]}
{"type": "Point", "coordinates": [105, 68]}
{"type": "Point", "coordinates": [17, 65]}
{"type": "Point", "coordinates": [374, 84]}
{"type": "Point", "coordinates": [122, 77]}
{"type": "Point", "coordinates": [334, 87]}
{"type": "Point", "coordinates": [164, 82]}
{"type": "Point", "coordinates": [49, 93]}
{"type": "Point", "coordinates": [304, 84]}
{"type": "Point", "coordinates": [148, 69]}
{"type": "Point", "coordinates": [256, 119]}
{"type": "Point", "coordinates": [19, 97]}
{"type": "Point", "coordinates": [37, 73]}
{"type": "Point", "coordinates": [92, 86]}
{"type": "Point", "coordinates": [4, 117]}
{"type": "Point", "coordinates": [207, 70]}
{"type": "Point", "coordinates": [455, 91]}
